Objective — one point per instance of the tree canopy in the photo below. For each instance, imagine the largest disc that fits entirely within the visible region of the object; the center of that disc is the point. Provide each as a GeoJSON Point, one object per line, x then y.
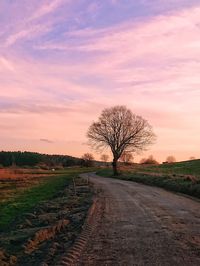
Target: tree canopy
{"type": "Point", "coordinates": [18, 158]}
{"type": "Point", "coordinates": [120, 130]}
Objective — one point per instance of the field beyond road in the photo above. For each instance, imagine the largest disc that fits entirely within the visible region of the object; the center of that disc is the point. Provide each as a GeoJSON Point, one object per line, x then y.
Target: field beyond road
{"type": "Point", "coordinates": [142, 225]}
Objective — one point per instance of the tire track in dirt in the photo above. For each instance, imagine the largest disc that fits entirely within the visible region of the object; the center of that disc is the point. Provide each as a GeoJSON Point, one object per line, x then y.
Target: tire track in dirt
{"type": "Point", "coordinates": [89, 227]}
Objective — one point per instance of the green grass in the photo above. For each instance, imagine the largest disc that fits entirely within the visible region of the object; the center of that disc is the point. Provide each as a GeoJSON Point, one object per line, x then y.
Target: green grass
{"type": "Point", "coordinates": [185, 168]}
{"type": "Point", "coordinates": [26, 200]}
{"type": "Point", "coordinates": [106, 173]}
{"type": "Point", "coordinates": [181, 185]}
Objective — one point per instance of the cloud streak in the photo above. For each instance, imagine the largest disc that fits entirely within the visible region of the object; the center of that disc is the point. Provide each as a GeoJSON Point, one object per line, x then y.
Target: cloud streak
{"type": "Point", "coordinates": [59, 68]}
{"type": "Point", "coordinates": [47, 140]}
{"type": "Point", "coordinates": [38, 23]}
{"type": "Point", "coordinates": [47, 8]}
{"type": "Point", "coordinates": [27, 34]}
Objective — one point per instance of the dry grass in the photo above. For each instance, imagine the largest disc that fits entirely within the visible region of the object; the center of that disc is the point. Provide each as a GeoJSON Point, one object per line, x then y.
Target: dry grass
{"type": "Point", "coordinates": [14, 181]}
{"type": "Point", "coordinates": [21, 174]}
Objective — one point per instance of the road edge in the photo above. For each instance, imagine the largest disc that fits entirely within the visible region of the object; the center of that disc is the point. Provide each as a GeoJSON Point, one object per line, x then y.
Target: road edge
{"type": "Point", "coordinates": [77, 248]}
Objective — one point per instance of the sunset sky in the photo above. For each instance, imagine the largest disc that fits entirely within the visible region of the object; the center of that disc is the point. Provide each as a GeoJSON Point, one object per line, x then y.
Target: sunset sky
{"type": "Point", "coordinates": [63, 61]}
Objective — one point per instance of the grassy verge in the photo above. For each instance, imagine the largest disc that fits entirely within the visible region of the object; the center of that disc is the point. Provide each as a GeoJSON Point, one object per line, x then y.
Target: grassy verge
{"type": "Point", "coordinates": [181, 185]}
{"type": "Point", "coordinates": [26, 200]}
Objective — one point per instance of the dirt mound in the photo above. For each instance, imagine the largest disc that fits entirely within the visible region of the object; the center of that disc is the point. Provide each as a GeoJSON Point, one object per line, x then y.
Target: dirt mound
{"type": "Point", "coordinates": [49, 230]}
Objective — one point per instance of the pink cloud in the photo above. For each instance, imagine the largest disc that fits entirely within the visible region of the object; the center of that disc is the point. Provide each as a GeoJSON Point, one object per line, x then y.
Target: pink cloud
{"type": "Point", "coordinates": [27, 33]}
{"type": "Point", "coordinates": [29, 27]}
{"type": "Point", "coordinates": [47, 8]}
{"type": "Point", "coordinates": [5, 64]}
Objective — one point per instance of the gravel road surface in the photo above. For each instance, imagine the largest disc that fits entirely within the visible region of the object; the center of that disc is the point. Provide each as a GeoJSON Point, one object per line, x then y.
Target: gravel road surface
{"type": "Point", "coordinates": [142, 225]}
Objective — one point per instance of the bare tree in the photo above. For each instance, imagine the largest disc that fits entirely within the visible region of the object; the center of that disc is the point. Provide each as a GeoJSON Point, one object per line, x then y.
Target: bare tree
{"type": "Point", "coordinates": [149, 160]}
{"type": "Point", "coordinates": [143, 160]}
{"type": "Point", "coordinates": [120, 130]}
{"type": "Point", "coordinates": [126, 157]}
{"type": "Point", "coordinates": [104, 158]}
{"type": "Point", "coordinates": [170, 159]}
{"type": "Point", "coordinates": [88, 159]}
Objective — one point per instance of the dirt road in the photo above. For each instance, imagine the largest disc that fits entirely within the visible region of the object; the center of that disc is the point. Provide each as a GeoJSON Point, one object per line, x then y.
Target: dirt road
{"type": "Point", "coordinates": [142, 225]}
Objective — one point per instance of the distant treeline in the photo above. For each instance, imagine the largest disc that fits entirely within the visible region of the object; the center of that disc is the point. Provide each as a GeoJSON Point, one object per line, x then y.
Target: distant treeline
{"type": "Point", "coordinates": [32, 159]}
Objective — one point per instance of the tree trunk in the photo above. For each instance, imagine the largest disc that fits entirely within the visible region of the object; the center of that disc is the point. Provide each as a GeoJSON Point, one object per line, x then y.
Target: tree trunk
{"type": "Point", "coordinates": [114, 164]}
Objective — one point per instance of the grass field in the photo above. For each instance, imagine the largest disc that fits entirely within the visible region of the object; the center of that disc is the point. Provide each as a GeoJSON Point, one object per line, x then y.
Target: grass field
{"type": "Point", "coordinates": [32, 206]}
{"type": "Point", "coordinates": [185, 168]}
{"type": "Point", "coordinates": [183, 177]}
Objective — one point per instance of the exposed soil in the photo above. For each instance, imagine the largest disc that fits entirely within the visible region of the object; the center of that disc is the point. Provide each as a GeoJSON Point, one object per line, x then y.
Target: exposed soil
{"type": "Point", "coordinates": [142, 225]}
{"type": "Point", "coordinates": [45, 234]}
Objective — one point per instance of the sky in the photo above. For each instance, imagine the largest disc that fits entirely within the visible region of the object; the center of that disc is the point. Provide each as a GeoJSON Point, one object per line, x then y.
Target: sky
{"type": "Point", "coordinates": [63, 61]}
